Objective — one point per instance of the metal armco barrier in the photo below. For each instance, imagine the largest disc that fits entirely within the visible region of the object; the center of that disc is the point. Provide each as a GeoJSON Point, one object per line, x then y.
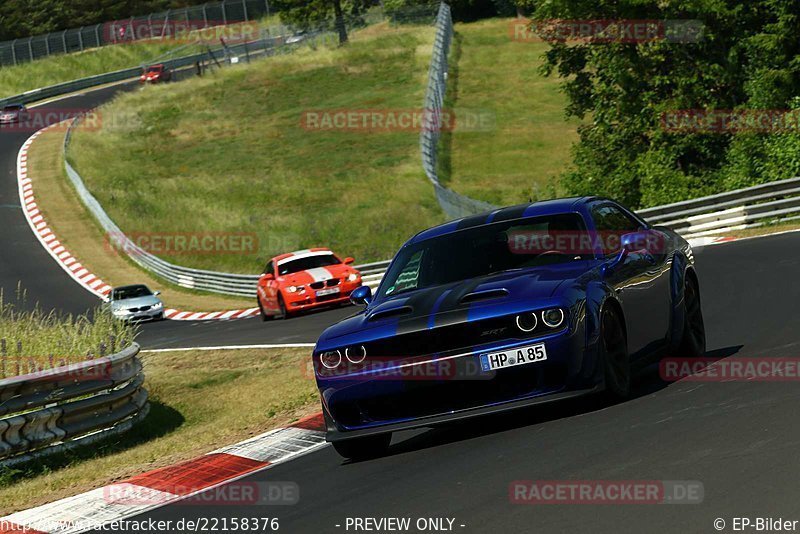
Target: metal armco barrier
{"type": "Point", "coordinates": [454, 204]}
{"type": "Point", "coordinates": [265, 45]}
{"type": "Point", "coordinates": [153, 25]}
{"type": "Point", "coordinates": [54, 409]}
{"type": "Point", "coordinates": [742, 208]}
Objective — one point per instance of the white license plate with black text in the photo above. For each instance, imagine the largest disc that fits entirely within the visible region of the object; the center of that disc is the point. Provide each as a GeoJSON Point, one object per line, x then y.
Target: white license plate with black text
{"type": "Point", "coordinates": [331, 291]}
{"type": "Point", "coordinates": [513, 357]}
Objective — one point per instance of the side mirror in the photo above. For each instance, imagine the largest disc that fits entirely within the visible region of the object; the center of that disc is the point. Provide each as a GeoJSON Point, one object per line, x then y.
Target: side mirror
{"type": "Point", "coordinates": [156, 293]}
{"type": "Point", "coordinates": [361, 296]}
{"type": "Point", "coordinates": [348, 260]}
{"type": "Point", "coordinates": [268, 276]}
{"type": "Point", "coordinates": [641, 242]}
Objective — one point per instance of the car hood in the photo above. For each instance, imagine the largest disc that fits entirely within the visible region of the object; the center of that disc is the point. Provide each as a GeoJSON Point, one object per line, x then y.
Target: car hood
{"type": "Point", "coordinates": [316, 275]}
{"type": "Point", "coordinates": [478, 298]}
{"type": "Point", "coordinates": [138, 302]}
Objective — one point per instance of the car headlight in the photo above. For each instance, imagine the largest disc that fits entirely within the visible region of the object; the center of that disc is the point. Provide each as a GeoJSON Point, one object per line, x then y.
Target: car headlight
{"type": "Point", "coordinates": [294, 289]}
{"type": "Point", "coordinates": [331, 358]}
{"type": "Point", "coordinates": [352, 277]}
{"type": "Point", "coordinates": [553, 317]}
{"type": "Point", "coordinates": [355, 354]}
{"type": "Point", "coordinates": [119, 311]}
{"type": "Point", "coordinates": [527, 322]}
{"type": "Point", "coordinates": [158, 305]}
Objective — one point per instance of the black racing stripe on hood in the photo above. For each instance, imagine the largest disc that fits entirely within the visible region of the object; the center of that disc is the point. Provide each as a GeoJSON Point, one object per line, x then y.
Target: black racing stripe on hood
{"type": "Point", "coordinates": [510, 213]}
{"type": "Point", "coordinates": [452, 303]}
{"type": "Point", "coordinates": [422, 303]}
{"type": "Point", "coordinates": [469, 222]}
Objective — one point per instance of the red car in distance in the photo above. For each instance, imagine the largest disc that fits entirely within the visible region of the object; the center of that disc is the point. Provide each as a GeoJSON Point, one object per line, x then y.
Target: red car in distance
{"type": "Point", "coordinates": [304, 280]}
{"type": "Point", "coordinates": [155, 74]}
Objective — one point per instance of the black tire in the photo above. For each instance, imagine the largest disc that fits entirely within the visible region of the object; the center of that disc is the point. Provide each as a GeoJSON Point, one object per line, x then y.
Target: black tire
{"type": "Point", "coordinates": [282, 305]}
{"type": "Point", "coordinates": [693, 342]}
{"type": "Point", "coordinates": [264, 316]}
{"type": "Point", "coordinates": [614, 352]}
{"type": "Point", "coordinates": [363, 448]}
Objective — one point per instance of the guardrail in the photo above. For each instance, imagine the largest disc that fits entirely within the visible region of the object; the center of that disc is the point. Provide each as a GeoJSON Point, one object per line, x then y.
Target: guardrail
{"type": "Point", "coordinates": [60, 408]}
{"type": "Point", "coordinates": [264, 45]}
{"type": "Point", "coordinates": [455, 205]}
{"type": "Point", "coordinates": [742, 208]}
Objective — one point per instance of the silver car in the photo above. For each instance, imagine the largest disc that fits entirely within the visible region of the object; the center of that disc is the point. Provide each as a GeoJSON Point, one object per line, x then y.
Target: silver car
{"type": "Point", "coordinates": [136, 303]}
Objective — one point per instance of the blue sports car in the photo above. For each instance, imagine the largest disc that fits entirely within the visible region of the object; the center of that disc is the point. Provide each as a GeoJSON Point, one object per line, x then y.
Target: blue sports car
{"type": "Point", "coordinates": [520, 306]}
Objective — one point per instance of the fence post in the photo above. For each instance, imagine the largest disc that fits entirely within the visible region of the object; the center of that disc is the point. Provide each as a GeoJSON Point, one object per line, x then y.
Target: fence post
{"type": "Point", "coordinates": [30, 48]}
{"type": "Point", "coordinates": [97, 34]}
{"type": "Point", "coordinates": [80, 38]}
{"type": "Point", "coordinates": [64, 41]}
{"type": "Point", "coordinates": [205, 16]}
{"type": "Point", "coordinates": [14, 51]}
{"type": "Point", "coordinates": [224, 15]}
{"type": "Point", "coordinates": [47, 43]}
{"type": "Point", "coordinates": [3, 354]}
{"type": "Point", "coordinates": [244, 8]}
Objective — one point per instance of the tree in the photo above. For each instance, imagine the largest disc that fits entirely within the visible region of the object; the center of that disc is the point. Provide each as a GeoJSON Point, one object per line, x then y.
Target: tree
{"type": "Point", "coordinates": [321, 14]}
{"type": "Point", "coordinates": [746, 58]}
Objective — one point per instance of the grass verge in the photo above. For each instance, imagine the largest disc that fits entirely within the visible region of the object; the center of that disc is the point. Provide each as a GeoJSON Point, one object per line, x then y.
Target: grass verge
{"type": "Point", "coordinates": [228, 153]}
{"type": "Point", "coordinates": [31, 341]}
{"type": "Point", "coordinates": [51, 70]}
{"type": "Point", "coordinates": [528, 147]}
{"type": "Point", "coordinates": [766, 229]}
{"type": "Point", "coordinates": [83, 237]}
{"type": "Point", "coordinates": [200, 401]}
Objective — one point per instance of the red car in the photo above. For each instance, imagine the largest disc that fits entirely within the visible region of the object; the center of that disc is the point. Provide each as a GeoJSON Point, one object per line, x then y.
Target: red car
{"type": "Point", "coordinates": [303, 280]}
{"type": "Point", "coordinates": [155, 74]}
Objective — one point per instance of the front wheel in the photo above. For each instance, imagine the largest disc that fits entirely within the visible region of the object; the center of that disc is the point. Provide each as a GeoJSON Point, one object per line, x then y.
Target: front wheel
{"type": "Point", "coordinates": [693, 342]}
{"type": "Point", "coordinates": [614, 352]}
{"type": "Point", "coordinates": [363, 448]}
{"type": "Point", "coordinates": [264, 316]}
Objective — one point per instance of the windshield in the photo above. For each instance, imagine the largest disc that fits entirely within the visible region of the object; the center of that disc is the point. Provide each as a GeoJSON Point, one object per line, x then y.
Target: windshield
{"type": "Point", "coordinates": [488, 249]}
{"type": "Point", "coordinates": [310, 262]}
{"type": "Point", "coordinates": [131, 292]}
{"type": "Point", "coordinates": [154, 69]}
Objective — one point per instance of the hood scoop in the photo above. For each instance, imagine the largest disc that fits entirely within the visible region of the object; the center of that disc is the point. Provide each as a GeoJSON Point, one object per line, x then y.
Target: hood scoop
{"type": "Point", "coordinates": [390, 312]}
{"type": "Point", "coordinates": [487, 294]}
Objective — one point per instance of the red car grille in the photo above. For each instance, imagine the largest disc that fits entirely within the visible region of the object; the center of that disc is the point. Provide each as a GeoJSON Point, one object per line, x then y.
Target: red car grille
{"type": "Point", "coordinates": [330, 283]}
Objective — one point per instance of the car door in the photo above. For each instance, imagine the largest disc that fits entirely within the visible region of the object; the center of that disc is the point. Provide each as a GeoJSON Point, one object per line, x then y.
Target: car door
{"type": "Point", "coordinates": [641, 283]}
{"type": "Point", "coordinates": [269, 288]}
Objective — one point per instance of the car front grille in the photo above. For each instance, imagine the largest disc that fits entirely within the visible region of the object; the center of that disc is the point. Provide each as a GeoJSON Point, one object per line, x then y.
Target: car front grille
{"type": "Point", "coordinates": [330, 283]}
{"type": "Point", "coordinates": [141, 309]}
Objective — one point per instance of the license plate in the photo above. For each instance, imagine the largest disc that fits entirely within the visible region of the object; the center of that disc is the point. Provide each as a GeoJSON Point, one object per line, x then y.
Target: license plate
{"type": "Point", "coordinates": [513, 357]}
{"type": "Point", "coordinates": [331, 291]}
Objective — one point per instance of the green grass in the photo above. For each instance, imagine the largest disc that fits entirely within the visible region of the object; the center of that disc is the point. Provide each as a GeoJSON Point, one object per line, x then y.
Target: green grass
{"type": "Point", "coordinates": [66, 67]}
{"type": "Point", "coordinates": [31, 341]}
{"type": "Point", "coordinates": [227, 153]}
{"type": "Point", "coordinates": [529, 147]}
{"type": "Point", "coordinates": [199, 401]}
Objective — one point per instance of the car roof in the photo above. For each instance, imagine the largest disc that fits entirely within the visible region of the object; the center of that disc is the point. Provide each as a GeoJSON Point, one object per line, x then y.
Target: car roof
{"type": "Point", "coordinates": [302, 253]}
{"type": "Point", "coordinates": [531, 209]}
{"type": "Point", "coordinates": [132, 286]}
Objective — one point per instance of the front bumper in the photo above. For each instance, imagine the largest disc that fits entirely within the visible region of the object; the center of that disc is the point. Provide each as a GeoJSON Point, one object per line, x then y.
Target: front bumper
{"type": "Point", "coordinates": [309, 299]}
{"type": "Point", "coordinates": [147, 315]}
{"type": "Point", "coordinates": [367, 405]}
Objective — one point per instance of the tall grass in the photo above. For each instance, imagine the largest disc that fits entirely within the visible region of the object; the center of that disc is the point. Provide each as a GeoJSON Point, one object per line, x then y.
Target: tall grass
{"type": "Point", "coordinates": [32, 341]}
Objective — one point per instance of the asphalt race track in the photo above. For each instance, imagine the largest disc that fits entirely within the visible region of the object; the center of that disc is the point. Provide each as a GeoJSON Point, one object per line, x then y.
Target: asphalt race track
{"type": "Point", "coordinates": [24, 261]}
{"type": "Point", "coordinates": [739, 439]}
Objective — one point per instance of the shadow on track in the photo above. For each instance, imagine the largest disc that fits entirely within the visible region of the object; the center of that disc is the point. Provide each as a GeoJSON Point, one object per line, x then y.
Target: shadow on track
{"type": "Point", "coordinates": [647, 382]}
